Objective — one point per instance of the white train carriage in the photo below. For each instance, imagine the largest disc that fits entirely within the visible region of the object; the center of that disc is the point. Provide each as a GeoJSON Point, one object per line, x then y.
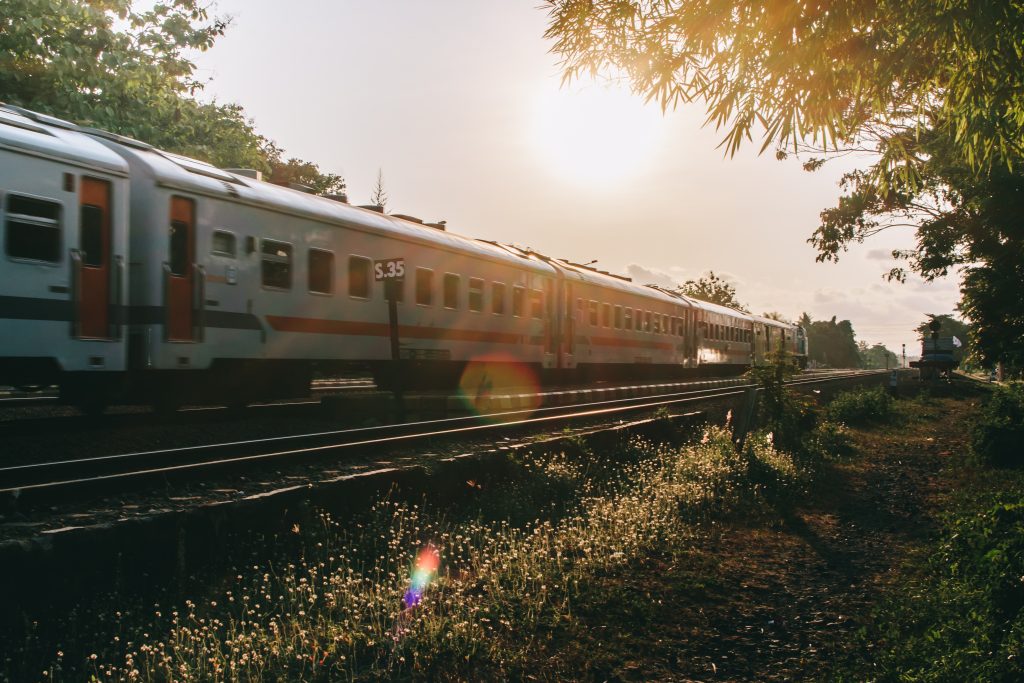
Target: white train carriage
{"type": "Point", "coordinates": [241, 288]}
{"type": "Point", "coordinates": [608, 327]}
{"type": "Point", "coordinates": [64, 213]}
{"type": "Point", "coordinates": [774, 335]}
{"type": "Point", "coordinates": [725, 338]}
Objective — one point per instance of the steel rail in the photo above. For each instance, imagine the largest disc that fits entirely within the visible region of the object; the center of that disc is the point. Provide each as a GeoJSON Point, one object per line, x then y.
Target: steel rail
{"type": "Point", "coordinates": [505, 420]}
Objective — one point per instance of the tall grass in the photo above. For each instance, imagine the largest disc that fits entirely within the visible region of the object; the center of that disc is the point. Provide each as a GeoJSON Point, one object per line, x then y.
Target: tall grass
{"type": "Point", "coordinates": [342, 609]}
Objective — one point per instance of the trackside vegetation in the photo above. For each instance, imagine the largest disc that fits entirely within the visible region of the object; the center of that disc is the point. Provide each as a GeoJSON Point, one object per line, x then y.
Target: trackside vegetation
{"type": "Point", "coordinates": [500, 580]}
{"type": "Point", "coordinates": [510, 579]}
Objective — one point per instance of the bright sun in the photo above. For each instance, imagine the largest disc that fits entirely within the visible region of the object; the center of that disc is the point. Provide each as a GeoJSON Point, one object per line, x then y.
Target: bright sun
{"type": "Point", "coordinates": [594, 134]}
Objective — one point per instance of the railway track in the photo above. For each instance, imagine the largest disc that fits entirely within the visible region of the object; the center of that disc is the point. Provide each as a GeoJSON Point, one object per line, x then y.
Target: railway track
{"type": "Point", "coordinates": [36, 483]}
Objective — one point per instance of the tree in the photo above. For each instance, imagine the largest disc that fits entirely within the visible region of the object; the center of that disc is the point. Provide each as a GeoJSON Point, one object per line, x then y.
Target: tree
{"type": "Point", "coordinates": [713, 289]}
{"type": "Point", "coordinates": [821, 71]}
{"type": "Point", "coordinates": [876, 356]}
{"type": "Point", "coordinates": [104, 64]}
{"type": "Point", "coordinates": [775, 315]}
{"type": "Point", "coordinates": [830, 343]}
{"type": "Point", "coordinates": [379, 197]}
{"type": "Point", "coordinates": [304, 173]}
{"type": "Point", "coordinates": [933, 90]}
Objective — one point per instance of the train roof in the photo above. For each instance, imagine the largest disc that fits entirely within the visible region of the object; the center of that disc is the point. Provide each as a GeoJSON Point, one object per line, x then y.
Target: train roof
{"type": "Point", "coordinates": [578, 272]}
{"type": "Point", "coordinates": [718, 308]}
{"type": "Point", "coordinates": [55, 138]}
{"type": "Point", "coordinates": [773, 322]}
{"type": "Point", "coordinates": [198, 177]}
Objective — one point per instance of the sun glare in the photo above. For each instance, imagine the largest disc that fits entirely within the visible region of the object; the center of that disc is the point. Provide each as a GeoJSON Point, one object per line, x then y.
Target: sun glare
{"type": "Point", "coordinates": [595, 134]}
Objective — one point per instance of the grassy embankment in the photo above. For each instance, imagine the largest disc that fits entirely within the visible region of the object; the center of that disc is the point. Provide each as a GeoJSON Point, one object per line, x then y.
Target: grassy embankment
{"type": "Point", "coordinates": [553, 573]}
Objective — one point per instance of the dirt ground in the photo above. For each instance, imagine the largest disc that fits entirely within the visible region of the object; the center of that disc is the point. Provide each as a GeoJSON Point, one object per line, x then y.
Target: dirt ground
{"type": "Point", "coordinates": [778, 598]}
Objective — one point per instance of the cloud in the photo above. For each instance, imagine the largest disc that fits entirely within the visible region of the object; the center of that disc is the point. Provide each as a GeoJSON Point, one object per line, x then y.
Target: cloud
{"type": "Point", "coordinates": [879, 255]}
{"type": "Point", "coordinates": [654, 276]}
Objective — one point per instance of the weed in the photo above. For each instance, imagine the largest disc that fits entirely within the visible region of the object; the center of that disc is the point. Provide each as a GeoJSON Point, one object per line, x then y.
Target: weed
{"type": "Point", "coordinates": [493, 591]}
{"type": "Point", "coordinates": [861, 406]}
{"type": "Point", "coordinates": [998, 433]}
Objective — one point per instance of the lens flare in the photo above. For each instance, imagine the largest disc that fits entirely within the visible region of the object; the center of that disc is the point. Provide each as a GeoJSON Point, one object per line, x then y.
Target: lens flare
{"type": "Point", "coordinates": [489, 378]}
{"type": "Point", "coordinates": [423, 572]}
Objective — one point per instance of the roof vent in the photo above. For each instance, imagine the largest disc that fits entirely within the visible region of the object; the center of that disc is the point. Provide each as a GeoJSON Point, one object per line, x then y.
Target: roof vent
{"type": "Point", "coordinates": [340, 197]}
{"type": "Point", "coordinates": [406, 217]}
{"type": "Point", "coordinates": [439, 225]}
{"type": "Point", "coordinates": [246, 172]}
{"type": "Point", "coordinates": [372, 207]}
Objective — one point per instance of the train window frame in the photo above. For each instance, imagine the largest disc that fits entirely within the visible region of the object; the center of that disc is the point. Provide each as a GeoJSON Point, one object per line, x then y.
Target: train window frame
{"type": "Point", "coordinates": [664, 324]}
{"type": "Point", "coordinates": [424, 295]}
{"type": "Point", "coordinates": [34, 221]}
{"type": "Point", "coordinates": [367, 266]}
{"type": "Point", "coordinates": [498, 294]}
{"type": "Point", "coordinates": [627, 318]}
{"type": "Point", "coordinates": [475, 295]}
{"type": "Point", "coordinates": [537, 304]}
{"type": "Point", "coordinates": [592, 313]}
{"type": "Point", "coordinates": [617, 317]}
{"type": "Point", "coordinates": [518, 301]}
{"type": "Point", "coordinates": [267, 258]}
{"type": "Point", "coordinates": [452, 303]}
{"type": "Point", "coordinates": [647, 321]}
{"type": "Point", "coordinates": [310, 271]}
{"type": "Point", "coordinates": [606, 315]}
{"type": "Point", "coordinates": [214, 251]}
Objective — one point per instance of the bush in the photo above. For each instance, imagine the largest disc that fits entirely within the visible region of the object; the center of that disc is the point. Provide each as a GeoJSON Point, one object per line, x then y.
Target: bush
{"type": "Point", "coordinates": [861, 406]}
{"type": "Point", "coordinates": [832, 440]}
{"type": "Point", "coordinates": [998, 433]}
{"type": "Point", "coordinates": [963, 618]}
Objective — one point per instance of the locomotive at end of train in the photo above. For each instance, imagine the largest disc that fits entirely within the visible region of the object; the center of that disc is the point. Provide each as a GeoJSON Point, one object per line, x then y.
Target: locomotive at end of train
{"type": "Point", "coordinates": [130, 274]}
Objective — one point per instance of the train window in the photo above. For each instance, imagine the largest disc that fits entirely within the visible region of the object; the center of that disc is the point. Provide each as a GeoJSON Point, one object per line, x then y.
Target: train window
{"type": "Point", "coordinates": [90, 235]}
{"type": "Point", "coordinates": [424, 286]}
{"type": "Point", "coordinates": [592, 308]}
{"type": "Point", "coordinates": [451, 290]}
{"type": "Point", "coordinates": [647, 321]}
{"type": "Point", "coordinates": [498, 298]}
{"type": "Point", "coordinates": [536, 304]}
{"type": "Point", "coordinates": [223, 244]}
{"type": "Point", "coordinates": [664, 324]}
{"type": "Point", "coordinates": [476, 294]}
{"type": "Point", "coordinates": [178, 261]}
{"type": "Point", "coordinates": [656, 327]}
{"type": "Point", "coordinates": [321, 271]}
{"type": "Point", "coordinates": [33, 229]}
{"type": "Point", "coordinates": [618, 317]}
{"type": "Point", "coordinates": [606, 315]}
{"type": "Point", "coordinates": [275, 263]}
{"type": "Point", "coordinates": [628, 318]}
{"type": "Point", "coordinates": [359, 277]}
{"type": "Point", "coordinates": [518, 300]}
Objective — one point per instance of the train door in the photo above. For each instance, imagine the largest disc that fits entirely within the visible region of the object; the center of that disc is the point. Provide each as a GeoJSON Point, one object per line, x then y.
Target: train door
{"type": "Point", "coordinates": [568, 329]}
{"type": "Point", "coordinates": [550, 321]}
{"type": "Point", "coordinates": [178, 271]}
{"type": "Point", "coordinates": [93, 260]}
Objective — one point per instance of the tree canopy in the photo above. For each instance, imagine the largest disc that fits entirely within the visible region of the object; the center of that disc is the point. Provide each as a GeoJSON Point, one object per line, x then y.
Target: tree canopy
{"type": "Point", "coordinates": [105, 64]}
{"type": "Point", "coordinates": [830, 343]}
{"type": "Point", "coordinates": [932, 90]}
{"type": "Point", "coordinates": [712, 289]}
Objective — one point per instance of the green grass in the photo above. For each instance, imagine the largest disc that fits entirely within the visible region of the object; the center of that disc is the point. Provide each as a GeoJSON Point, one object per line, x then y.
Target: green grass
{"type": "Point", "coordinates": [512, 567]}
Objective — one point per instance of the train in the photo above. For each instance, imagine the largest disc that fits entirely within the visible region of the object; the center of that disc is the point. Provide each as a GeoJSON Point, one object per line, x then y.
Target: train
{"type": "Point", "coordinates": [135, 275]}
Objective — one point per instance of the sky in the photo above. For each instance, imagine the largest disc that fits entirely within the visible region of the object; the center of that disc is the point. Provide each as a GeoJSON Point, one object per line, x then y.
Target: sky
{"type": "Point", "coordinates": [460, 105]}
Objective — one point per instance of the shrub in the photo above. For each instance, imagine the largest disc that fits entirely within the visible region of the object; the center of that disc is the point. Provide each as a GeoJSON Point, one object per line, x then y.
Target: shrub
{"type": "Point", "coordinates": [963, 619]}
{"type": "Point", "coordinates": [861, 406]}
{"type": "Point", "coordinates": [998, 433]}
{"type": "Point", "coordinates": [832, 440]}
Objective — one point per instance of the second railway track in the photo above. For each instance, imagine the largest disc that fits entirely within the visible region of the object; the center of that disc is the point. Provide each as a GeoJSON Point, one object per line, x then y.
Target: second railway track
{"type": "Point", "coordinates": [33, 484]}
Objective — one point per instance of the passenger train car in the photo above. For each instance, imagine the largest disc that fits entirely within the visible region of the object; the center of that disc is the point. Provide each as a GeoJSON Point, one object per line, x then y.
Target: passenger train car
{"type": "Point", "coordinates": [133, 274]}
